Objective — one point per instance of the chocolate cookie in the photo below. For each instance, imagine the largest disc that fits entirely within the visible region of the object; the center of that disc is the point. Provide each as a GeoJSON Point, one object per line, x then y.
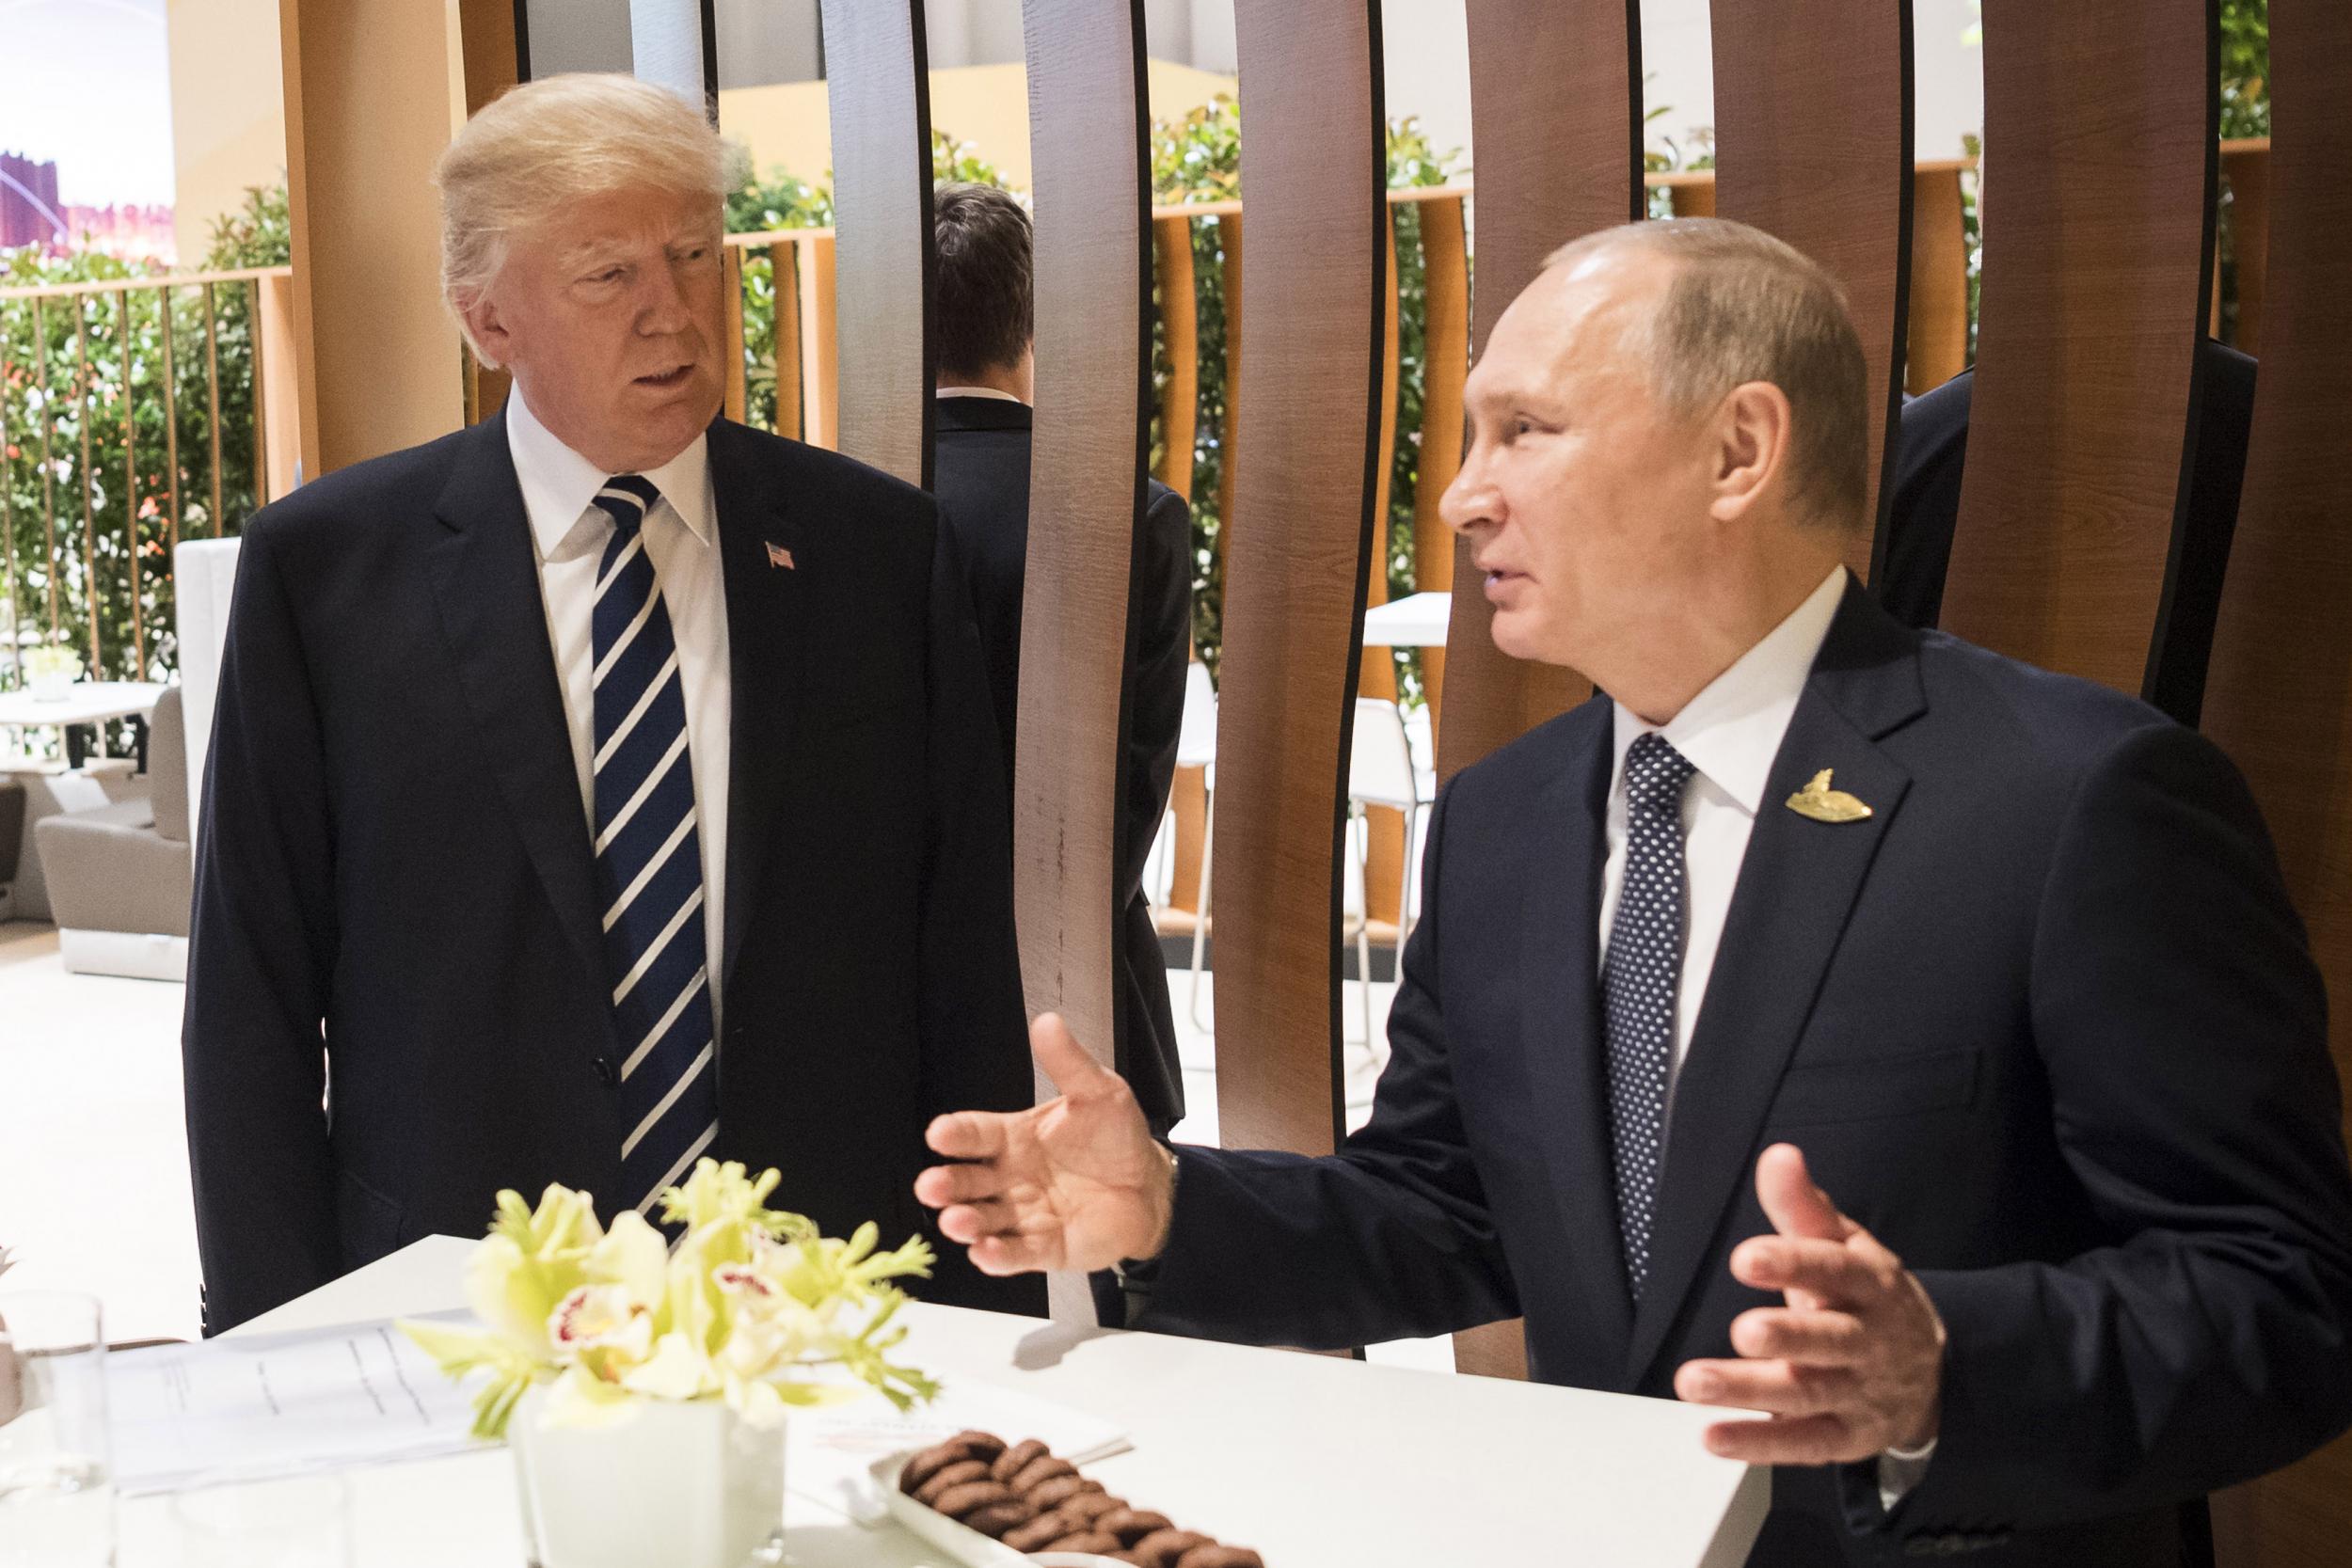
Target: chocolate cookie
{"type": "Point", "coordinates": [1162, 1548]}
{"type": "Point", "coordinates": [1092, 1506]}
{"type": "Point", "coordinates": [959, 1501]}
{"type": "Point", "coordinates": [1086, 1541]}
{"type": "Point", "coordinates": [1039, 1471]}
{"type": "Point", "coordinates": [1213, 1556]}
{"type": "Point", "coordinates": [1014, 1460]}
{"type": "Point", "coordinates": [954, 1475]}
{"type": "Point", "coordinates": [1132, 1525]}
{"type": "Point", "coordinates": [995, 1519]}
{"type": "Point", "coordinates": [984, 1445]}
{"type": "Point", "coordinates": [931, 1461]}
{"type": "Point", "coordinates": [1048, 1526]}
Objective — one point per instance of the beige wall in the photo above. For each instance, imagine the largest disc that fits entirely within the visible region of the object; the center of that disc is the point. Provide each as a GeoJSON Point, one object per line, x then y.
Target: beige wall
{"type": "Point", "coordinates": [227, 110]}
{"type": "Point", "coordinates": [785, 125]}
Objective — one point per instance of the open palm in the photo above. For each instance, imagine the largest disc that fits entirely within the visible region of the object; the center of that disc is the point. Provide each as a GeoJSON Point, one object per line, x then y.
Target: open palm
{"type": "Point", "coordinates": [1075, 1183]}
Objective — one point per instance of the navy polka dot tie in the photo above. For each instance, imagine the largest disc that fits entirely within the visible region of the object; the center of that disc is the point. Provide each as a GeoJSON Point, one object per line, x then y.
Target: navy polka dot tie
{"type": "Point", "coordinates": [1637, 987]}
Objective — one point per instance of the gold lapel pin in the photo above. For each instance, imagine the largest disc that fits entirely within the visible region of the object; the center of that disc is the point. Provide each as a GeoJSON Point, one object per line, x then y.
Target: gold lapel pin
{"type": "Point", "coordinates": [1824, 804]}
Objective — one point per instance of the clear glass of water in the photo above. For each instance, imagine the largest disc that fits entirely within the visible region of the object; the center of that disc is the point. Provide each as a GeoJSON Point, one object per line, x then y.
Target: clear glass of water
{"type": "Point", "coordinates": [56, 1491]}
{"type": "Point", "coordinates": [297, 1522]}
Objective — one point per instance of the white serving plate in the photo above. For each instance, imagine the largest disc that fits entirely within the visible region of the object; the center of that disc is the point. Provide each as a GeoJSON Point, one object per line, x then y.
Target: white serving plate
{"type": "Point", "coordinates": [968, 1547]}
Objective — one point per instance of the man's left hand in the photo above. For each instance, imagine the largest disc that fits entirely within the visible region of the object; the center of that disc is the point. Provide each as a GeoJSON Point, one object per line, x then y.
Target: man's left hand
{"type": "Point", "coordinates": [1851, 1367]}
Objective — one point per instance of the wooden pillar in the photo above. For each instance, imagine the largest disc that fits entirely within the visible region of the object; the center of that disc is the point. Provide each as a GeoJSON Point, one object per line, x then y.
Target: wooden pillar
{"type": "Point", "coordinates": [1937, 330]}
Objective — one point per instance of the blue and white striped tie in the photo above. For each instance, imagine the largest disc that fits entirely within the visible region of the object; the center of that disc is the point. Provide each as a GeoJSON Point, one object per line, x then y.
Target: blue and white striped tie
{"type": "Point", "coordinates": [649, 863]}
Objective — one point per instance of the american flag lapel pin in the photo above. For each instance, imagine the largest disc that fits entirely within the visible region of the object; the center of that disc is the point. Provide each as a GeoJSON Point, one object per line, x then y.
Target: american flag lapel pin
{"type": "Point", "coordinates": [779, 556]}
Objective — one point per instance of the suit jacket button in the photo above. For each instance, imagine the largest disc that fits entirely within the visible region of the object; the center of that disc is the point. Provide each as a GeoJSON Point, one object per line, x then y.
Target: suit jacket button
{"type": "Point", "coordinates": [604, 1072]}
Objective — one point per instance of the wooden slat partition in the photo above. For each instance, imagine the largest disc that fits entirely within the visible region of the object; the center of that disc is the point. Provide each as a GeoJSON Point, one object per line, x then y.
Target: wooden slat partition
{"type": "Point", "coordinates": [2246, 167]}
{"type": "Point", "coordinates": [879, 98]}
{"type": "Point", "coordinates": [820, 348]}
{"type": "Point", "coordinates": [1314, 164]}
{"type": "Point", "coordinates": [783, 262]}
{"type": "Point", "coordinates": [1445, 364]}
{"type": "Point", "coordinates": [1089, 103]}
{"type": "Point", "coordinates": [1814, 145]}
{"type": "Point", "coordinates": [2278, 694]}
{"type": "Point", "coordinates": [1936, 326]}
{"type": "Point", "coordinates": [1180, 325]}
{"type": "Point", "coordinates": [2101, 115]}
{"type": "Point", "coordinates": [1384, 868]}
{"type": "Point", "coordinates": [1556, 111]}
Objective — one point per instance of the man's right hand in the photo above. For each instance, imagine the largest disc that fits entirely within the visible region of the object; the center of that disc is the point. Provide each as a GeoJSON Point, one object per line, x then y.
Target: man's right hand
{"type": "Point", "coordinates": [1076, 1183]}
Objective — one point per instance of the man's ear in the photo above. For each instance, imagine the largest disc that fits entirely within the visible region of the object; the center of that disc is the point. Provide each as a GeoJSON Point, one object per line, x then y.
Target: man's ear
{"type": "Point", "coordinates": [486, 323]}
{"type": "Point", "coordinates": [1753, 430]}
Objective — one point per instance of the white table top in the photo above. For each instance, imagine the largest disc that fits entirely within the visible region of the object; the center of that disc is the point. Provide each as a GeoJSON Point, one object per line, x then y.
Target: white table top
{"type": "Point", "coordinates": [1415, 621]}
{"type": "Point", "coordinates": [1318, 1463]}
{"type": "Point", "coordinates": [84, 703]}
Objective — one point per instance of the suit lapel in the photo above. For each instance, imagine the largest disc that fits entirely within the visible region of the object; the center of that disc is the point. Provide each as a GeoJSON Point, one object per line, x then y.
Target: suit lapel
{"type": "Point", "coordinates": [764, 653]}
{"type": "Point", "coordinates": [1796, 890]}
{"type": "Point", "coordinates": [1559, 959]}
{"type": "Point", "coordinates": [486, 580]}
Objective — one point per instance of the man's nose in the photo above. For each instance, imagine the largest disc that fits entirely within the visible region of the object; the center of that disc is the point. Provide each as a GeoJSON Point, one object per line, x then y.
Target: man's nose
{"type": "Point", "coordinates": [1472, 499]}
{"type": "Point", "coordinates": [663, 307]}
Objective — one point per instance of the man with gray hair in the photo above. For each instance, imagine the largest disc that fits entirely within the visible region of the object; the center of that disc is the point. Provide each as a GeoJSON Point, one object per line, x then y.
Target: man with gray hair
{"type": "Point", "coordinates": [601, 787]}
{"type": "Point", "coordinates": [1812, 940]}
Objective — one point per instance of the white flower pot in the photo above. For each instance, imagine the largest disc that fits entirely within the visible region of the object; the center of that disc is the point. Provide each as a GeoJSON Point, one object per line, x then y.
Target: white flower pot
{"type": "Point", "coordinates": [682, 1485]}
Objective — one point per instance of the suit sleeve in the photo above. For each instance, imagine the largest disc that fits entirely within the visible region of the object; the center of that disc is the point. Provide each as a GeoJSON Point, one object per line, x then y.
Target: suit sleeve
{"type": "Point", "coordinates": [975, 1027]}
{"type": "Point", "coordinates": [2205, 1337]}
{"type": "Point", "coordinates": [260, 957]}
{"type": "Point", "coordinates": [1388, 1239]}
{"type": "Point", "coordinates": [1158, 650]}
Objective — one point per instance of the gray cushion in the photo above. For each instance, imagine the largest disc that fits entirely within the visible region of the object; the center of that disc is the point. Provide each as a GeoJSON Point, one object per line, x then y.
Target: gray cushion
{"type": "Point", "coordinates": [167, 765]}
{"type": "Point", "coordinates": [109, 870]}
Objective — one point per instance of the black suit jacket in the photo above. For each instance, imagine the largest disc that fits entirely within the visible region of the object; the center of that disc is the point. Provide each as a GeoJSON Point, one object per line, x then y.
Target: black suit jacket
{"type": "Point", "coordinates": [394, 858]}
{"type": "Point", "coordinates": [2045, 1024]}
{"type": "Point", "coordinates": [1923, 515]}
{"type": "Point", "coordinates": [980, 473]}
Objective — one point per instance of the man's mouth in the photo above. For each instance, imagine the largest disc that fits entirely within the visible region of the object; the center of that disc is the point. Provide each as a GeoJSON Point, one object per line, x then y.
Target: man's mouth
{"type": "Point", "coordinates": [667, 380]}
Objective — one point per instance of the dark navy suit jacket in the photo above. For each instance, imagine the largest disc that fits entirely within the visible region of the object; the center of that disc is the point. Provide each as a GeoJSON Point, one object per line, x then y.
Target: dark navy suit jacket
{"type": "Point", "coordinates": [2045, 1024]}
{"type": "Point", "coordinates": [394, 866]}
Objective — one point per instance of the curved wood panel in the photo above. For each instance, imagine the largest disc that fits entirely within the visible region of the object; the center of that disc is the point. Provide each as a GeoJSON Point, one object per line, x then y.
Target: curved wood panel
{"type": "Point", "coordinates": [1313, 170]}
{"type": "Point", "coordinates": [2100, 116]}
{"type": "Point", "coordinates": [879, 96]}
{"type": "Point", "coordinates": [1936, 327]}
{"type": "Point", "coordinates": [1556, 116]}
{"type": "Point", "coordinates": [1814, 145]}
{"type": "Point", "coordinates": [1445, 364]}
{"type": "Point", "coordinates": [2279, 696]}
{"type": "Point", "coordinates": [1088, 97]}
{"type": "Point", "coordinates": [1179, 327]}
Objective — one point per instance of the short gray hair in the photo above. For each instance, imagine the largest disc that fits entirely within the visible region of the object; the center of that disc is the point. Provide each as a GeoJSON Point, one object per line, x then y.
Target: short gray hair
{"type": "Point", "coordinates": [1745, 306]}
{"type": "Point", "coordinates": [550, 143]}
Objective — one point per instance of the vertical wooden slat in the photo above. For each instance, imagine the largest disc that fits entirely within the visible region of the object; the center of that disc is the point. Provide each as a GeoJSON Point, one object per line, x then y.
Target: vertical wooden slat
{"type": "Point", "coordinates": [1937, 335]}
{"type": "Point", "coordinates": [130, 485]}
{"type": "Point", "coordinates": [785, 272]}
{"type": "Point", "coordinates": [2248, 169]}
{"type": "Point", "coordinates": [731, 289]}
{"type": "Point", "coordinates": [278, 414]}
{"type": "Point", "coordinates": [820, 344]}
{"type": "Point", "coordinates": [1313, 168]}
{"type": "Point", "coordinates": [2278, 693]}
{"type": "Point", "coordinates": [171, 425]}
{"type": "Point", "coordinates": [87, 481]}
{"type": "Point", "coordinates": [1814, 145]}
{"type": "Point", "coordinates": [1180, 329]}
{"type": "Point", "coordinates": [49, 459]}
{"type": "Point", "coordinates": [1229, 238]}
{"type": "Point", "coordinates": [13, 585]}
{"type": "Point", "coordinates": [2103, 112]}
{"type": "Point", "coordinates": [1088, 120]}
{"type": "Point", "coordinates": [257, 338]}
{"type": "Point", "coordinates": [1384, 869]}
{"type": "Point", "coordinates": [211, 399]}
{"type": "Point", "coordinates": [880, 99]}
{"type": "Point", "coordinates": [1445, 364]}
{"type": "Point", "coordinates": [1556, 112]}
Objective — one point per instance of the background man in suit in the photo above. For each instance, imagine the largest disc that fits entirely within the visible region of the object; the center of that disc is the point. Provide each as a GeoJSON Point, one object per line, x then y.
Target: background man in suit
{"type": "Point", "coordinates": [603, 786]}
{"type": "Point", "coordinates": [983, 302]}
{"type": "Point", "coordinates": [2005, 955]}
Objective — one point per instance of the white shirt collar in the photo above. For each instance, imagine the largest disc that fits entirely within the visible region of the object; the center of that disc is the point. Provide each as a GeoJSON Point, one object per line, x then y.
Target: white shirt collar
{"type": "Point", "coordinates": [1732, 730]}
{"type": "Point", "coordinates": [976, 392]}
{"type": "Point", "coordinates": [559, 484]}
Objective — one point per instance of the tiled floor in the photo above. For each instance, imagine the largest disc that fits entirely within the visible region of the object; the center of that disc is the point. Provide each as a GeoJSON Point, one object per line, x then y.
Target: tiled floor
{"type": "Point", "coordinates": [93, 1157]}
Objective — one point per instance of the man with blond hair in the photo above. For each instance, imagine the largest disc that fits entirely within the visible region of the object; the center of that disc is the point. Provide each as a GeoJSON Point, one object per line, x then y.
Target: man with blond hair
{"type": "Point", "coordinates": [1812, 941]}
{"type": "Point", "coordinates": [601, 787]}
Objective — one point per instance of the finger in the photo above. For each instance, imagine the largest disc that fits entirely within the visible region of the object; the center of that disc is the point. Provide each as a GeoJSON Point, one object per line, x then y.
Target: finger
{"type": "Point", "coordinates": [968, 1135]}
{"type": "Point", "coordinates": [1794, 1205]}
{"type": "Point", "coordinates": [1788, 1440]}
{"type": "Point", "coordinates": [1776, 1387]}
{"type": "Point", "coordinates": [1822, 1270]}
{"type": "Point", "coordinates": [1061, 1058]}
{"type": "Point", "coordinates": [1011, 1254]}
{"type": "Point", "coordinates": [970, 1222]}
{"type": "Point", "coordinates": [1827, 1338]}
{"type": "Point", "coordinates": [941, 1185]}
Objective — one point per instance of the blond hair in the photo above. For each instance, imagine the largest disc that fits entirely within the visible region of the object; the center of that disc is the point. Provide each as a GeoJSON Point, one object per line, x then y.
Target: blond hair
{"type": "Point", "coordinates": [1743, 307]}
{"type": "Point", "coordinates": [548, 144]}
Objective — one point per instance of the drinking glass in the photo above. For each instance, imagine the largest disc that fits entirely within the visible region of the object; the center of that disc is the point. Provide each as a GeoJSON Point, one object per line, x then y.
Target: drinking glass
{"type": "Point", "coordinates": [56, 1490]}
{"type": "Point", "coordinates": [296, 1521]}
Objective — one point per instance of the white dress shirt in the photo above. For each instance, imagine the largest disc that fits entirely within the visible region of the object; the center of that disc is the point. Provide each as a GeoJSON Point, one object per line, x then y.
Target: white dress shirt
{"type": "Point", "coordinates": [1730, 733]}
{"type": "Point", "coordinates": [681, 536]}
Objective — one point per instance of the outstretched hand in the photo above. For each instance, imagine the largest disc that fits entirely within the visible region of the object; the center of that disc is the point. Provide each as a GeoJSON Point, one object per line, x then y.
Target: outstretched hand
{"type": "Point", "coordinates": [1851, 1367]}
{"type": "Point", "coordinates": [1075, 1183]}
